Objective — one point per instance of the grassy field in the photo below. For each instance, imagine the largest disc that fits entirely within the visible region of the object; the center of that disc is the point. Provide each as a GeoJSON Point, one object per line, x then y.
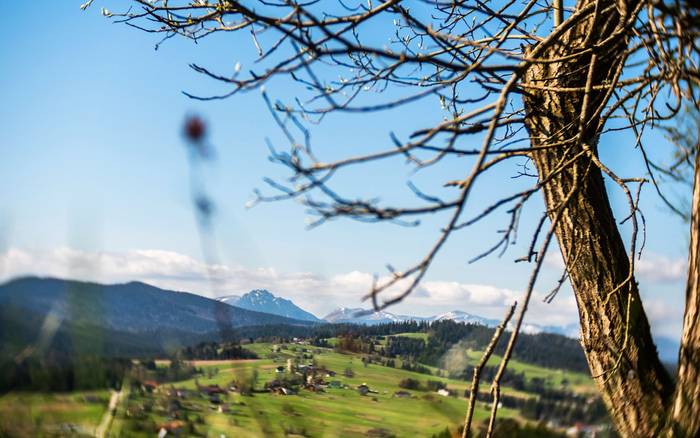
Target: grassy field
{"type": "Point", "coordinates": [37, 414]}
{"type": "Point", "coordinates": [336, 412]}
{"type": "Point", "coordinates": [336, 409]}
{"type": "Point", "coordinates": [418, 335]}
{"type": "Point", "coordinates": [553, 378]}
{"type": "Point", "coordinates": [578, 382]}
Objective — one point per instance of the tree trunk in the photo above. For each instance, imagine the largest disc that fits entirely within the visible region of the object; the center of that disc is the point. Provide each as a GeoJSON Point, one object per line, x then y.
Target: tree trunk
{"type": "Point", "coordinates": [685, 419]}
{"type": "Point", "coordinates": [615, 333]}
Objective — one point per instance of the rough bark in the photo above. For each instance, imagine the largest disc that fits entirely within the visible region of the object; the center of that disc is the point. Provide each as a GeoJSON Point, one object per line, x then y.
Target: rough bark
{"type": "Point", "coordinates": [634, 384]}
{"type": "Point", "coordinates": [684, 419]}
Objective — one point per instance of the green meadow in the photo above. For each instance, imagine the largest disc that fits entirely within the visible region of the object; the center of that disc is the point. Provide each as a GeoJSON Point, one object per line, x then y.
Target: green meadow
{"type": "Point", "coordinates": [61, 414]}
{"type": "Point", "coordinates": [341, 412]}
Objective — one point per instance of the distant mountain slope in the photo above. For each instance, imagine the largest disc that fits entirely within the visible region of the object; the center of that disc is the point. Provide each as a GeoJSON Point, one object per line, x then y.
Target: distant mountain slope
{"type": "Point", "coordinates": [367, 317]}
{"type": "Point", "coordinates": [347, 315]}
{"type": "Point", "coordinates": [261, 300]}
{"type": "Point", "coordinates": [464, 317]}
{"type": "Point", "coordinates": [132, 310]}
{"type": "Point", "coordinates": [22, 332]}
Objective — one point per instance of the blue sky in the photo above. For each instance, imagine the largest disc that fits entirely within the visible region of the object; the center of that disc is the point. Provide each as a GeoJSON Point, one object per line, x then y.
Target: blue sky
{"type": "Point", "coordinates": [94, 173]}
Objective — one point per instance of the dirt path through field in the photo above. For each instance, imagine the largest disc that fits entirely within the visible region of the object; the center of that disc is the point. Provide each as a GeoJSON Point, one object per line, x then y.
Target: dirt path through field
{"type": "Point", "coordinates": [103, 428]}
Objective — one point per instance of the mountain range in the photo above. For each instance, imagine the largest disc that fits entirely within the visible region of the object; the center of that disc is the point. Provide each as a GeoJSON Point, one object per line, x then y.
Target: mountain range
{"type": "Point", "coordinates": [136, 317]}
{"type": "Point", "coordinates": [263, 301]}
{"type": "Point", "coordinates": [364, 316]}
{"type": "Point", "coordinates": [367, 317]}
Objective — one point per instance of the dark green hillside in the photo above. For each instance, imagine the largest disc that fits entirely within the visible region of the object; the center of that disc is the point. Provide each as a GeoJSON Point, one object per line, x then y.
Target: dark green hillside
{"type": "Point", "coordinates": [42, 315]}
{"type": "Point", "coordinates": [131, 307]}
{"type": "Point", "coordinates": [542, 349]}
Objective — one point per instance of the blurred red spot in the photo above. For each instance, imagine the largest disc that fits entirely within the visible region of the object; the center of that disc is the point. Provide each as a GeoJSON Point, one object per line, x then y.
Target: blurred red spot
{"type": "Point", "coordinates": [195, 129]}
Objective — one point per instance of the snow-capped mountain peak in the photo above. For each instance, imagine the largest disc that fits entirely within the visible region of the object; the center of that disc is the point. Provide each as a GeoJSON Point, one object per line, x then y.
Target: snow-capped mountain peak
{"type": "Point", "coordinates": [464, 317]}
{"type": "Point", "coordinates": [365, 316]}
{"type": "Point", "coordinates": [261, 300]}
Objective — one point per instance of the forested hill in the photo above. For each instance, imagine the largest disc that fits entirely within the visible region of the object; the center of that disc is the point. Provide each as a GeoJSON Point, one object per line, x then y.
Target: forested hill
{"type": "Point", "coordinates": [544, 349]}
{"type": "Point", "coordinates": [121, 319]}
{"type": "Point", "coordinates": [129, 307]}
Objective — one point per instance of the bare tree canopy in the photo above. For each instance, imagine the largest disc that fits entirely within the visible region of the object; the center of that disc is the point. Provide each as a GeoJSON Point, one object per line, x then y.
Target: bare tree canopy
{"type": "Point", "coordinates": [520, 79]}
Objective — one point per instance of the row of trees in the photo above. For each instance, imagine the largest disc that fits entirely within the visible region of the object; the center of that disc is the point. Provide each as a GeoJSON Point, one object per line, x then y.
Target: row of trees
{"type": "Point", "coordinates": [216, 351]}
{"type": "Point", "coordinates": [55, 372]}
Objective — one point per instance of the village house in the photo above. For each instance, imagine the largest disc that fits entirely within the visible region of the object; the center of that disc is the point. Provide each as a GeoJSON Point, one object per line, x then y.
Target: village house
{"type": "Point", "coordinates": [211, 389]}
{"type": "Point", "coordinates": [314, 387]}
{"type": "Point", "coordinates": [279, 388]}
{"type": "Point", "coordinates": [213, 392]}
{"type": "Point", "coordinates": [149, 386]}
{"type": "Point", "coordinates": [363, 389]}
{"type": "Point", "coordinates": [174, 428]}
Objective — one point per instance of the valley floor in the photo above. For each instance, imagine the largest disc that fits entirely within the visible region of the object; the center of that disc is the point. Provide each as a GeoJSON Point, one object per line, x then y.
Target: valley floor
{"type": "Point", "coordinates": [335, 412]}
{"type": "Point", "coordinates": [339, 410]}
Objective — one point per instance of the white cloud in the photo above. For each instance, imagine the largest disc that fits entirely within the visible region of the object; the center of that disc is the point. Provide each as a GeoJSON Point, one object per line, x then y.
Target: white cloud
{"type": "Point", "coordinates": [651, 267]}
{"type": "Point", "coordinates": [476, 294]}
{"type": "Point", "coordinates": [666, 319]}
{"type": "Point", "coordinates": [659, 268]}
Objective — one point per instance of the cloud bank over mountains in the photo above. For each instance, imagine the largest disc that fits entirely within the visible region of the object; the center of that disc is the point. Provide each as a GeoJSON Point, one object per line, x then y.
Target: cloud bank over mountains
{"type": "Point", "coordinates": [316, 293]}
